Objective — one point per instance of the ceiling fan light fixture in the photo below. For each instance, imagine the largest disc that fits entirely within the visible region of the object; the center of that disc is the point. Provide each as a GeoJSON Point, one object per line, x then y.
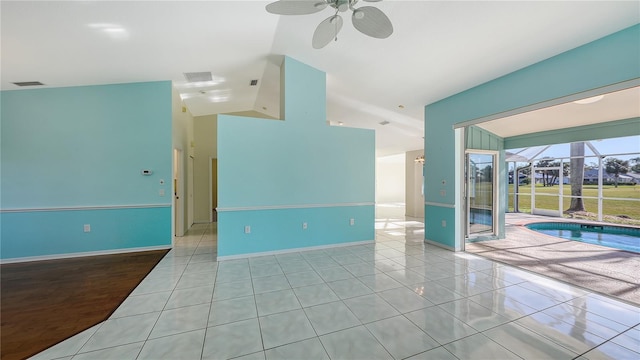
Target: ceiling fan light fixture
{"type": "Point", "coordinates": [369, 20]}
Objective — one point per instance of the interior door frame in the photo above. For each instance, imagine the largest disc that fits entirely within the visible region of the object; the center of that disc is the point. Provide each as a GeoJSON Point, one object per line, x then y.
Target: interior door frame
{"type": "Point", "coordinates": [190, 187]}
{"type": "Point", "coordinates": [177, 193]}
{"type": "Point", "coordinates": [211, 182]}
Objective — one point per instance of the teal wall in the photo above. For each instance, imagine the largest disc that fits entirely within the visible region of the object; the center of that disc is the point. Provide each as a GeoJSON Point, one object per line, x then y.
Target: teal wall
{"type": "Point", "coordinates": [73, 156]}
{"type": "Point", "coordinates": [275, 175]}
{"type": "Point", "coordinates": [281, 229]}
{"type": "Point", "coordinates": [478, 138]}
{"type": "Point", "coordinates": [603, 62]}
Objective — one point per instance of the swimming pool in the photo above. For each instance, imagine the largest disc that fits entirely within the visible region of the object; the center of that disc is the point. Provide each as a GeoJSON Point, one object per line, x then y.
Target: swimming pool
{"type": "Point", "coordinates": [618, 237]}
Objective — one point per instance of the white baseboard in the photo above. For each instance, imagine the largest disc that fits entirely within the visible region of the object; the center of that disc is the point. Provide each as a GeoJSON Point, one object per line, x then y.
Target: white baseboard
{"type": "Point", "coordinates": [430, 242]}
{"type": "Point", "coordinates": [286, 251]}
{"type": "Point", "coordinates": [83, 254]}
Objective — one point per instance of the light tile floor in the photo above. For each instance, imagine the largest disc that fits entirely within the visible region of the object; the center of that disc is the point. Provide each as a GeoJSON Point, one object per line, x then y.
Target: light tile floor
{"type": "Point", "coordinates": [397, 298]}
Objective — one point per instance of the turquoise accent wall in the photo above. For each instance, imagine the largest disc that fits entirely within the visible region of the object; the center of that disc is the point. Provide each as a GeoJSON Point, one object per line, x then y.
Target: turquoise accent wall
{"type": "Point", "coordinates": [478, 138]}
{"type": "Point", "coordinates": [301, 162]}
{"type": "Point", "coordinates": [281, 229]}
{"type": "Point", "coordinates": [84, 147]}
{"type": "Point", "coordinates": [46, 233]}
{"type": "Point", "coordinates": [603, 62]}
{"type": "Point", "coordinates": [433, 217]}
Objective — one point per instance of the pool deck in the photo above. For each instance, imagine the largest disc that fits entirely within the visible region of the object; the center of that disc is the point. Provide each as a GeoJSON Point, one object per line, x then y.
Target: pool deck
{"type": "Point", "coordinates": [611, 272]}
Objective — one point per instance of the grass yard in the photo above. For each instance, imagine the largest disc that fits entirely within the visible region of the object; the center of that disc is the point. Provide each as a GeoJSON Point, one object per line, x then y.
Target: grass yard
{"type": "Point", "coordinates": [611, 207]}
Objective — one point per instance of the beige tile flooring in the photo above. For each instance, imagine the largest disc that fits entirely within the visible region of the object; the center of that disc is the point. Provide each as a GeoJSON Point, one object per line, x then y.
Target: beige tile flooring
{"type": "Point", "coordinates": [600, 269]}
{"type": "Point", "coordinates": [396, 298]}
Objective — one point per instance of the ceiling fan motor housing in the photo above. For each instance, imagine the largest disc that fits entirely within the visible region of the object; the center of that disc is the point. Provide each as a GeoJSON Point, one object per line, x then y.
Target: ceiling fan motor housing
{"type": "Point", "coordinates": [342, 5]}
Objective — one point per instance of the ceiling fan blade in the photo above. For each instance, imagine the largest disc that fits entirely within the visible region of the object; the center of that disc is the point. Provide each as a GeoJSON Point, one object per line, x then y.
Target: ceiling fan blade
{"type": "Point", "coordinates": [296, 7]}
{"type": "Point", "coordinates": [326, 31]}
{"type": "Point", "coordinates": [371, 21]}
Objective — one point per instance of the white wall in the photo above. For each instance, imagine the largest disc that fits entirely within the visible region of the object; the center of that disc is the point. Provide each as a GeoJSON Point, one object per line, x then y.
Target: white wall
{"type": "Point", "coordinates": [205, 147]}
{"type": "Point", "coordinates": [390, 179]}
{"type": "Point", "coordinates": [414, 200]}
{"type": "Point", "coordinates": [182, 136]}
{"type": "Point", "coordinates": [205, 139]}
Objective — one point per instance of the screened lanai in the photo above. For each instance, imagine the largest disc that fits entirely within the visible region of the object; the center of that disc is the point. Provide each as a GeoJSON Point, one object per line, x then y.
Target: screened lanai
{"type": "Point", "coordinates": [597, 180]}
{"type": "Point", "coordinates": [535, 157]}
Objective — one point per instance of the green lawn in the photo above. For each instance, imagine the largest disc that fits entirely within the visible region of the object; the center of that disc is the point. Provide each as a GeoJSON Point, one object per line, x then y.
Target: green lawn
{"type": "Point", "coordinates": [610, 206]}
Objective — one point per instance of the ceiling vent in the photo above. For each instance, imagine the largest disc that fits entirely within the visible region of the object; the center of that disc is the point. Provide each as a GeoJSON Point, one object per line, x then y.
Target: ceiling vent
{"type": "Point", "coordinates": [29, 83]}
{"type": "Point", "coordinates": [254, 82]}
{"type": "Point", "coordinates": [383, 122]}
{"type": "Point", "coordinates": [198, 76]}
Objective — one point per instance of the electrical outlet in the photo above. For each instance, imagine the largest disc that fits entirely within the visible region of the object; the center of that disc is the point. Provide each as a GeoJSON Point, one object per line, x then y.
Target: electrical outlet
{"type": "Point", "coordinates": [443, 193]}
{"type": "Point", "coordinates": [444, 223]}
{"type": "Point", "coordinates": [161, 192]}
{"type": "Point", "coordinates": [352, 222]}
{"type": "Point", "coordinates": [304, 226]}
{"type": "Point", "coordinates": [87, 227]}
{"type": "Point", "coordinates": [247, 229]}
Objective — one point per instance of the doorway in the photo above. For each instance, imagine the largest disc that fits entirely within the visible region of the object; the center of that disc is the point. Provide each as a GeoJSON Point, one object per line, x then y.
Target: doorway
{"type": "Point", "coordinates": [552, 180]}
{"type": "Point", "coordinates": [213, 186]}
{"type": "Point", "coordinates": [481, 194]}
{"type": "Point", "coordinates": [178, 202]}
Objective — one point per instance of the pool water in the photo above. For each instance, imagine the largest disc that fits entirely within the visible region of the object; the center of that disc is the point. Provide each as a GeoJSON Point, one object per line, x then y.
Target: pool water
{"type": "Point", "coordinates": [618, 237]}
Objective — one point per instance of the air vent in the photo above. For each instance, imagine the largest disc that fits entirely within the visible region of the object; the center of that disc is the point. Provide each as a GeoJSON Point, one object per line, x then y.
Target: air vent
{"type": "Point", "coordinates": [29, 83]}
{"type": "Point", "coordinates": [198, 76]}
{"type": "Point", "coordinates": [254, 82]}
{"type": "Point", "coordinates": [383, 122]}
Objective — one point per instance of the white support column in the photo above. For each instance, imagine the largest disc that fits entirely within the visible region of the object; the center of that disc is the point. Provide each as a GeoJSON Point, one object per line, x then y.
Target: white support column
{"type": "Point", "coordinates": [600, 188]}
{"type": "Point", "coordinates": [460, 202]}
{"type": "Point", "coordinates": [561, 188]}
{"type": "Point", "coordinates": [533, 188]}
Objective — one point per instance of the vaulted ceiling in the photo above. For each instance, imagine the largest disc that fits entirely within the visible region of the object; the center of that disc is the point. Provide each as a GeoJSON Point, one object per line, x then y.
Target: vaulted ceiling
{"type": "Point", "coordinates": [438, 48]}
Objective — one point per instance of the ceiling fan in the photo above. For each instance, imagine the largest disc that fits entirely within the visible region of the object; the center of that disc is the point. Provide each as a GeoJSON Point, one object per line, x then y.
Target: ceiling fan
{"type": "Point", "coordinates": [367, 19]}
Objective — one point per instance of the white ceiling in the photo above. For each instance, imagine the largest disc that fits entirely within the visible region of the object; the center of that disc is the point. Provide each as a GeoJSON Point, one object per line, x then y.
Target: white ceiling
{"type": "Point", "coordinates": [623, 104]}
{"type": "Point", "coordinates": [438, 48]}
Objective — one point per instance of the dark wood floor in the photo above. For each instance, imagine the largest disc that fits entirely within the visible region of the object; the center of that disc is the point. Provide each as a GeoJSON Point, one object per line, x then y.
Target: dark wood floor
{"type": "Point", "coordinates": [45, 302]}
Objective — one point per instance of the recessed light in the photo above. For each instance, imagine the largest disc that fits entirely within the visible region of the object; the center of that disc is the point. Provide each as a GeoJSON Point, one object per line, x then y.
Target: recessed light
{"type": "Point", "coordinates": [589, 100]}
{"type": "Point", "coordinates": [114, 31]}
{"type": "Point", "coordinates": [264, 108]}
{"type": "Point", "coordinates": [401, 106]}
{"type": "Point", "coordinates": [385, 122]}
{"type": "Point", "coordinates": [340, 123]}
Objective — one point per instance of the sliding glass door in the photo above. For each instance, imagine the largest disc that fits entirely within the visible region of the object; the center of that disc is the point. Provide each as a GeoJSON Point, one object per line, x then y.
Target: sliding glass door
{"type": "Point", "coordinates": [480, 194]}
